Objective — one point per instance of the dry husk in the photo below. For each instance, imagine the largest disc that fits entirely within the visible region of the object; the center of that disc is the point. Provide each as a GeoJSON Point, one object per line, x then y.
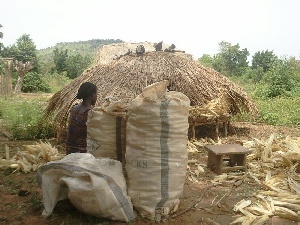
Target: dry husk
{"type": "Point", "coordinates": [274, 166]}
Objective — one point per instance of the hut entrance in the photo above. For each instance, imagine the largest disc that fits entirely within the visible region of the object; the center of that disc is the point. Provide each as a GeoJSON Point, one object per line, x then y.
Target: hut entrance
{"type": "Point", "coordinates": [5, 76]}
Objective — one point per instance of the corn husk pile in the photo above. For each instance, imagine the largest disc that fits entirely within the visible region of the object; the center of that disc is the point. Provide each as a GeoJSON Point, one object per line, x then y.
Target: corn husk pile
{"type": "Point", "coordinates": [32, 157]}
{"type": "Point", "coordinates": [216, 109]}
{"type": "Point", "coordinates": [195, 169]}
{"type": "Point", "coordinates": [273, 164]}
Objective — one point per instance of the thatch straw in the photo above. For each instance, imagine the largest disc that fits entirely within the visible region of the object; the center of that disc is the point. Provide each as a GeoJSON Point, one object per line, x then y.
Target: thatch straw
{"type": "Point", "coordinates": [126, 77]}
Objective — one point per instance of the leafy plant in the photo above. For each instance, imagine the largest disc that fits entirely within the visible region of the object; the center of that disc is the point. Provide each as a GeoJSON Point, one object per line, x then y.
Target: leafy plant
{"type": "Point", "coordinates": [33, 83]}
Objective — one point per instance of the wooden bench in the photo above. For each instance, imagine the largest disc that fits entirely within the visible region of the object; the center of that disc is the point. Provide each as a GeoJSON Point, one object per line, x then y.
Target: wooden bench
{"type": "Point", "coordinates": [235, 154]}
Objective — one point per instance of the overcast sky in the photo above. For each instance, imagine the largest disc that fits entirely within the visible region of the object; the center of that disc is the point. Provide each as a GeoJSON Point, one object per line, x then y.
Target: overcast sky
{"type": "Point", "coordinates": [196, 26]}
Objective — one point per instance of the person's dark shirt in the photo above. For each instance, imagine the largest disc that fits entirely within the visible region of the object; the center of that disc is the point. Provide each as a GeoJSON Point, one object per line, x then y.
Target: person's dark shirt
{"type": "Point", "coordinates": [77, 132]}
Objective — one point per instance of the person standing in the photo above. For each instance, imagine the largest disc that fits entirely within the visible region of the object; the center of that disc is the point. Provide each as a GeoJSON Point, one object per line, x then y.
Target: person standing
{"type": "Point", "coordinates": [77, 129]}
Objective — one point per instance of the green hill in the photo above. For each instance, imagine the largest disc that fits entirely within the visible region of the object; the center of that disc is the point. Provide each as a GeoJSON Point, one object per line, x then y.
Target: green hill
{"type": "Point", "coordinates": [84, 48]}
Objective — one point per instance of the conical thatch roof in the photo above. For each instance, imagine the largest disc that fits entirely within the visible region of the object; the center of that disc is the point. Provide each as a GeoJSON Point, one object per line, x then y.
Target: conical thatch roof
{"type": "Point", "coordinates": [126, 77]}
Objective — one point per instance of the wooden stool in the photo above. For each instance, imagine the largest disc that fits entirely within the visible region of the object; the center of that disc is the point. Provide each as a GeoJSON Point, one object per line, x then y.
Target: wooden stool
{"type": "Point", "coordinates": [236, 157]}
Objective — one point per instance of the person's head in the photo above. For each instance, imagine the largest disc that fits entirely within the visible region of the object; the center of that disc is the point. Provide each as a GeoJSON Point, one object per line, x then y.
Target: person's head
{"type": "Point", "coordinates": [87, 90]}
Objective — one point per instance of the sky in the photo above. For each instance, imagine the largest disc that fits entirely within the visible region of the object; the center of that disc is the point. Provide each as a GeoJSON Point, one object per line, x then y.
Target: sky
{"type": "Point", "coordinates": [195, 26]}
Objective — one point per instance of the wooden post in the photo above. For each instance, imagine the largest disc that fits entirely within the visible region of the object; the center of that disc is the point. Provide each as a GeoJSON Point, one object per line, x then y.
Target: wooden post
{"type": "Point", "coordinates": [193, 130]}
{"type": "Point", "coordinates": [217, 130]}
{"type": "Point", "coordinates": [225, 128]}
{"type": "Point", "coordinates": [5, 77]}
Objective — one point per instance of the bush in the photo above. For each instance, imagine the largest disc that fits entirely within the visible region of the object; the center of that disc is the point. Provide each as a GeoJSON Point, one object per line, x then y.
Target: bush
{"type": "Point", "coordinates": [280, 85]}
{"type": "Point", "coordinates": [255, 75]}
{"type": "Point", "coordinates": [33, 83]}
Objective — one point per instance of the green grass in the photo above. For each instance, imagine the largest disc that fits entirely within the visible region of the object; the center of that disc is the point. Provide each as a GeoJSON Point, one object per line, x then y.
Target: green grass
{"type": "Point", "coordinates": [56, 81]}
{"type": "Point", "coordinates": [277, 111]}
{"type": "Point", "coordinates": [280, 111]}
{"type": "Point", "coordinates": [22, 118]}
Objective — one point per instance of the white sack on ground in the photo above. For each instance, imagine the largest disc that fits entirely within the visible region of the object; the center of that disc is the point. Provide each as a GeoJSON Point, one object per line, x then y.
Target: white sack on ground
{"type": "Point", "coordinates": [106, 131]}
{"type": "Point", "coordinates": [156, 149]}
{"type": "Point", "coordinates": [94, 186]}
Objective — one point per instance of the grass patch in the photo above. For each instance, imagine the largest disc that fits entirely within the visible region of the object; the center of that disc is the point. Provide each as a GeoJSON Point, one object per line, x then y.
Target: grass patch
{"type": "Point", "coordinates": [280, 111]}
{"type": "Point", "coordinates": [56, 81]}
{"type": "Point", "coordinates": [275, 111]}
{"type": "Point", "coordinates": [22, 118]}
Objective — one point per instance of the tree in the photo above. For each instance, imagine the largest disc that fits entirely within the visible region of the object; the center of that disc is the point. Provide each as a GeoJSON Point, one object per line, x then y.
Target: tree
{"type": "Point", "coordinates": [60, 58]}
{"type": "Point", "coordinates": [2, 65]}
{"type": "Point", "coordinates": [1, 44]}
{"type": "Point", "coordinates": [264, 59]}
{"type": "Point", "coordinates": [206, 60]}
{"type": "Point", "coordinates": [77, 64]}
{"type": "Point", "coordinates": [22, 69]}
{"type": "Point", "coordinates": [231, 60]}
{"type": "Point", "coordinates": [282, 79]}
{"type": "Point", "coordinates": [24, 54]}
{"type": "Point", "coordinates": [24, 50]}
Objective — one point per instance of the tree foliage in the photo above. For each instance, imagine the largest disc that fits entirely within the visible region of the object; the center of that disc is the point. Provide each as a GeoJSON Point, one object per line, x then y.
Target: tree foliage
{"type": "Point", "coordinates": [1, 44]}
{"type": "Point", "coordinates": [2, 65]}
{"type": "Point", "coordinates": [77, 64]}
{"type": "Point", "coordinates": [23, 50]}
{"type": "Point", "coordinates": [60, 58]}
{"type": "Point", "coordinates": [231, 60]}
{"type": "Point", "coordinates": [84, 48]}
{"type": "Point", "coordinates": [270, 76]}
{"type": "Point", "coordinates": [73, 65]}
{"type": "Point", "coordinates": [206, 60]}
{"type": "Point", "coordinates": [33, 83]}
{"type": "Point", "coordinates": [264, 59]}
{"type": "Point", "coordinates": [281, 79]}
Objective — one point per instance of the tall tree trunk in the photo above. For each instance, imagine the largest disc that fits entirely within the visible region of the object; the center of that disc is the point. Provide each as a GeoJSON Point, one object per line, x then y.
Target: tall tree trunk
{"type": "Point", "coordinates": [22, 69]}
{"type": "Point", "coordinates": [19, 84]}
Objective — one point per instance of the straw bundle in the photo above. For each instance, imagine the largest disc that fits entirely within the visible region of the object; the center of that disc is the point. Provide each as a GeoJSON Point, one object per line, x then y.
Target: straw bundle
{"type": "Point", "coordinates": [126, 77]}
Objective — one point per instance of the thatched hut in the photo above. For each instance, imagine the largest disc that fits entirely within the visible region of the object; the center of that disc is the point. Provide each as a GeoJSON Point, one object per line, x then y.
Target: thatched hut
{"type": "Point", "coordinates": [125, 77]}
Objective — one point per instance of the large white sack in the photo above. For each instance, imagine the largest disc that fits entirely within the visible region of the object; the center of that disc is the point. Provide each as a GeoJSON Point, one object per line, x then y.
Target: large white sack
{"type": "Point", "coordinates": [106, 132]}
{"type": "Point", "coordinates": [94, 186]}
{"type": "Point", "coordinates": [156, 155]}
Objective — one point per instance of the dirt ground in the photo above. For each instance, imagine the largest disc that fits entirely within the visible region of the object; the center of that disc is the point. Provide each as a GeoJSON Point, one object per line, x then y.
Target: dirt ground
{"type": "Point", "coordinates": [201, 203]}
